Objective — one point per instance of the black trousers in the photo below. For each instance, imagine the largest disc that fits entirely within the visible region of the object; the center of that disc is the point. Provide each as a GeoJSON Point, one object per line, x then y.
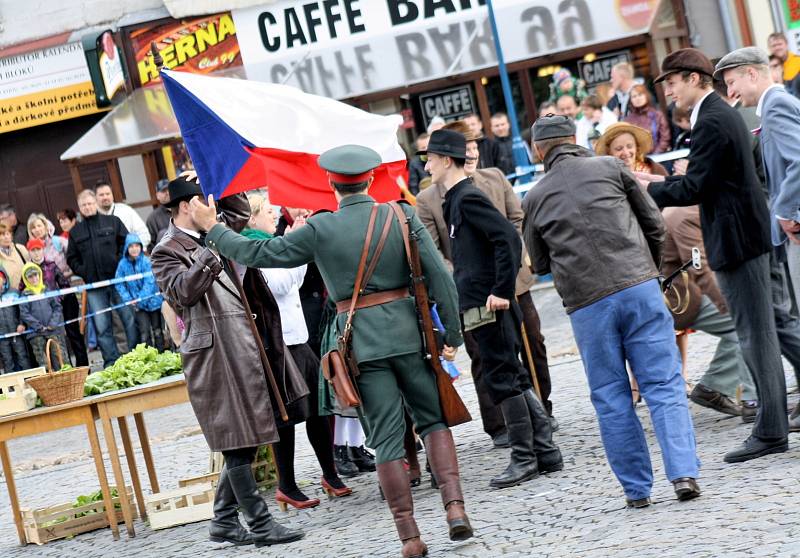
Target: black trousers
{"type": "Point", "coordinates": [499, 346]}
{"type": "Point", "coordinates": [239, 456]}
{"type": "Point", "coordinates": [75, 340]}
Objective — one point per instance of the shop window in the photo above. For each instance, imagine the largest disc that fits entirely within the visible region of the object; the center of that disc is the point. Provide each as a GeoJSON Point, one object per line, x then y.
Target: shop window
{"type": "Point", "coordinates": [497, 102]}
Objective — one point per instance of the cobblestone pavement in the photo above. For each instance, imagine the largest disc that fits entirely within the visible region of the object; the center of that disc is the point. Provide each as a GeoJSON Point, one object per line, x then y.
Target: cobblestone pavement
{"type": "Point", "coordinates": [746, 510]}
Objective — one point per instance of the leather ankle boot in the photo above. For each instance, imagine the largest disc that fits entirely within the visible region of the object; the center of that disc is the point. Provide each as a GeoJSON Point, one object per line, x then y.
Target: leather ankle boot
{"type": "Point", "coordinates": [394, 483]}
{"type": "Point", "coordinates": [548, 456]}
{"type": "Point", "coordinates": [263, 528]}
{"type": "Point", "coordinates": [225, 526]}
{"type": "Point", "coordinates": [523, 465]}
{"type": "Point", "coordinates": [441, 452]}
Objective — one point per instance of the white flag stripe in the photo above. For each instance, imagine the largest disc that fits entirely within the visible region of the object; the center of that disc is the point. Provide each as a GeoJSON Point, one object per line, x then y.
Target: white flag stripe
{"type": "Point", "coordinates": [283, 117]}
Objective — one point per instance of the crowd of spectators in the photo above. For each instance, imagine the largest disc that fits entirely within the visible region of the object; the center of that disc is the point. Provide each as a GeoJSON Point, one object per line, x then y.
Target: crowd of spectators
{"type": "Point", "coordinates": [625, 98]}
{"type": "Point", "coordinates": [106, 240]}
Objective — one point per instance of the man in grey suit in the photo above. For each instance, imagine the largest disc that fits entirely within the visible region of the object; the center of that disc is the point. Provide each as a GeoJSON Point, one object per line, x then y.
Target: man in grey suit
{"type": "Point", "coordinates": [746, 73]}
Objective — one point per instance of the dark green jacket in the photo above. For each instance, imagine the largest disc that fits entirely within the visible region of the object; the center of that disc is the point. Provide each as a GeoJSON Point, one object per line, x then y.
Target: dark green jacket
{"type": "Point", "coordinates": [334, 242]}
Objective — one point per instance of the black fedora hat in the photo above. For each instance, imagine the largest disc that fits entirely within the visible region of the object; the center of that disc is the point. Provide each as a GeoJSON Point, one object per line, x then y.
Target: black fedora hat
{"type": "Point", "coordinates": [447, 143]}
{"type": "Point", "coordinates": [181, 189]}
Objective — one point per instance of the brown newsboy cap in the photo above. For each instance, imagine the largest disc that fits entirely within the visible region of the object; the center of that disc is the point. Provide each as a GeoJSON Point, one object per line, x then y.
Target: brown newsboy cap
{"type": "Point", "coordinates": [685, 60]}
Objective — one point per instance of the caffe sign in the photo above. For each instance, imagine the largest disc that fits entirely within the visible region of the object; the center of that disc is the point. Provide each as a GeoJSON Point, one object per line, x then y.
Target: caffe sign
{"type": "Point", "coordinates": [345, 48]}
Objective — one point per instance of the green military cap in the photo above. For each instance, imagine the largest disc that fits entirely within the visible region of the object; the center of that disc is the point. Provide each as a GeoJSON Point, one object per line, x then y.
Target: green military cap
{"type": "Point", "coordinates": [349, 163]}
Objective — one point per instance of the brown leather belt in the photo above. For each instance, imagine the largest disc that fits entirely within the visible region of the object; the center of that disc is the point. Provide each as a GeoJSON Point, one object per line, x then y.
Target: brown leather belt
{"type": "Point", "coordinates": [373, 299]}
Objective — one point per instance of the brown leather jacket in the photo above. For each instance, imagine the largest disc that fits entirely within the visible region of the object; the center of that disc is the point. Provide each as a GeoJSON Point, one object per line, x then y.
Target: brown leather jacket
{"type": "Point", "coordinates": [225, 374]}
{"type": "Point", "coordinates": [493, 183]}
{"type": "Point", "coordinates": [590, 224]}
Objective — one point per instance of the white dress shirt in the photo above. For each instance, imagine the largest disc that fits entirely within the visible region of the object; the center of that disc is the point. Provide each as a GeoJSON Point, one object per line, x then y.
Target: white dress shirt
{"type": "Point", "coordinates": [760, 106]}
{"type": "Point", "coordinates": [285, 286]}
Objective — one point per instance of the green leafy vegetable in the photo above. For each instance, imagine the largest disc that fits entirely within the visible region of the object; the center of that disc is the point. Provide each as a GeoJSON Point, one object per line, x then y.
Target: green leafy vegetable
{"type": "Point", "coordinates": [140, 366]}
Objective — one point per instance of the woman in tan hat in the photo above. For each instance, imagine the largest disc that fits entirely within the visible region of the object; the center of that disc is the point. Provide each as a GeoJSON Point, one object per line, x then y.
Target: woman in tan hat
{"type": "Point", "coordinates": [630, 144]}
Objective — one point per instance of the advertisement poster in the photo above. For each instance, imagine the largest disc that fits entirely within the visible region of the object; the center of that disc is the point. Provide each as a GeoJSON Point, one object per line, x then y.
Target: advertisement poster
{"type": "Point", "coordinates": [198, 45]}
{"type": "Point", "coordinates": [44, 86]}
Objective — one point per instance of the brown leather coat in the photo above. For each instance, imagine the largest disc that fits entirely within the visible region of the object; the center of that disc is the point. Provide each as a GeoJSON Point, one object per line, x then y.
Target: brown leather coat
{"type": "Point", "coordinates": [493, 183]}
{"type": "Point", "coordinates": [225, 374]}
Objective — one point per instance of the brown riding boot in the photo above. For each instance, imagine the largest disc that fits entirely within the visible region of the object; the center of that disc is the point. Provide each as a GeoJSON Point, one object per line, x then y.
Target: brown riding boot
{"type": "Point", "coordinates": [442, 456]}
{"type": "Point", "coordinates": [394, 482]}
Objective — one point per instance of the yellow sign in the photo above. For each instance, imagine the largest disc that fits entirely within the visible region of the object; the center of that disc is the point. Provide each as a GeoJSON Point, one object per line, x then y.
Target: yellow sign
{"type": "Point", "coordinates": [47, 106]}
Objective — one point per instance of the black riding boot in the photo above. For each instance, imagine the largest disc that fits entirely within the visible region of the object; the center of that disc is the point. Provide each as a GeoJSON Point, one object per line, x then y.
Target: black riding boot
{"type": "Point", "coordinates": [523, 465]}
{"type": "Point", "coordinates": [548, 455]}
{"type": "Point", "coordinates": [264, 530]}
{"type": "Point", "coordinates": [225, 526]}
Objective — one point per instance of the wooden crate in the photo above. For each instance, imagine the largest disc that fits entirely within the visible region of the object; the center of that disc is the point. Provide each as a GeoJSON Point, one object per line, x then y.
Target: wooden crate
{"type": "Point", "coordinates": [15, 395]}
{"type": "Point", "coordinates": [191, 503]}
{"type": "Point", "coordinates": [263, 469]}
{"type": "Point", "coordinates": [40, 527]}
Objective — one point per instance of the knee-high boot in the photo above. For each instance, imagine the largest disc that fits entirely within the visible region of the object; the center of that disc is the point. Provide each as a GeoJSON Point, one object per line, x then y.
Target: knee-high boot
{"type": "Point", "coordinates": [225, 526]}
{"type": "Point", "coordinates": [441, 452]}
{"type": "Point", "coordinates": [263, 528]}
{"type": "Point", "coordinates": [548, 456]}
{"type": "Point", "coordinates": [523, 465]}
{"type": "Point", "coordinates": [394, 483]}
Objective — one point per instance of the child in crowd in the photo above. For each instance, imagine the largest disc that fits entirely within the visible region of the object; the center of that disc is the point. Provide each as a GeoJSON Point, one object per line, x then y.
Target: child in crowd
{"type": "Point", "coordinates": [12, 349]}
{"type": "Point", "coordinates": [148, 310]}
{"type": "Point", "coordinates": [43, 316]}
{"type": "Point", "coordinates": [52, 276]}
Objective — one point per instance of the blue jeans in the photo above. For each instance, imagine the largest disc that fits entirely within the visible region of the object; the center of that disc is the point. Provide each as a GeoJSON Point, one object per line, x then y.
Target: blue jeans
{"type": "Point", "coordinates": [100, 299]}
{"type": "Point", "coordinates": [634, 325]}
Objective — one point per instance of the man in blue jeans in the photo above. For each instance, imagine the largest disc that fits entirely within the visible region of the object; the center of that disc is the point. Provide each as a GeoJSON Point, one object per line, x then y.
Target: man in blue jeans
{"type": "Point", "coordinates": [95, 248]}
{"type": "Point", "coordinates": [590, 224]}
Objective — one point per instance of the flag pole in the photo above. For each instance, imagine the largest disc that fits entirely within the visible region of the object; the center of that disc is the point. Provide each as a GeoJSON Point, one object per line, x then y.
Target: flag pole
{"type": "Point", "coordinates": [524, 170]}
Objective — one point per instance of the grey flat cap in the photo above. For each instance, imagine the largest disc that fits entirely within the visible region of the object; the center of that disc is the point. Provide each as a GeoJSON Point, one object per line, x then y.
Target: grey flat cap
{"type": "Point", "coordinates": [553, 126]}
{"type": "Point", "coordinates": [748, 56]}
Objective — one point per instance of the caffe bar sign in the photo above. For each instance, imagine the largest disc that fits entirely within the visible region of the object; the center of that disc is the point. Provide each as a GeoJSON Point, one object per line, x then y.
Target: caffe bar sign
{"type": "Point", "coordinates": [343, 48]}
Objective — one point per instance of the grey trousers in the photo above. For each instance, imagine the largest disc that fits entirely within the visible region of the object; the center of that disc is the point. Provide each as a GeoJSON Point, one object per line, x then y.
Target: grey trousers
{"type": "Point", "coordinates": [748, 291]}
{"type": "Point", "coordinates": [727, 369]}
{"type": "Point", "coordinates": [787, 322]}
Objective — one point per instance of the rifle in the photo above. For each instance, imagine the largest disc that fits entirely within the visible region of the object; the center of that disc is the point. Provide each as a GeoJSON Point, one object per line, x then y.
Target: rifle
{"type": "Point", "coordinates": [453, 409]}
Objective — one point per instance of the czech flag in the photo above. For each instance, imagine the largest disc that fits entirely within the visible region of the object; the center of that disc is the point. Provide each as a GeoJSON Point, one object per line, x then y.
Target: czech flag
{"type": "Point", "coordinates": [243, 135]}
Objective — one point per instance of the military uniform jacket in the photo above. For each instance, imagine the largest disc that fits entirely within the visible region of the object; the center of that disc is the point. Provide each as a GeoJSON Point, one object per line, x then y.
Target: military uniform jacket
{"type": "Point", "coordinates": [334, 241]}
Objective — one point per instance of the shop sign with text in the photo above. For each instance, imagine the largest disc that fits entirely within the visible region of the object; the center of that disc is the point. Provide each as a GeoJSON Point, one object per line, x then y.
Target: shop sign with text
{"type": "Point", "coordinates": [199, 45]}
{"type": "Point", "coordinates": [43, 86]}
{"type": "Point", "coordinates": [344, 48]}
{"type": "Point", "coordinates": [450, 104]}
{"type": "Point", "coordinates": [599, 70]}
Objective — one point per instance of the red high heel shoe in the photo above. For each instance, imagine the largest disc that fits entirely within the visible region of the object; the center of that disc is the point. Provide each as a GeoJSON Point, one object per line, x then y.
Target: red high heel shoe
{"type": "Point", "coordinates": [284, 502]}
{"type": "Point", "coordinates": [334, 492]}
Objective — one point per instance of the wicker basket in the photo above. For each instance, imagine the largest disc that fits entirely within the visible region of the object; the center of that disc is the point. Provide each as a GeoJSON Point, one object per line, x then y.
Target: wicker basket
{"type": "Point", "coordinates": [57, 387]}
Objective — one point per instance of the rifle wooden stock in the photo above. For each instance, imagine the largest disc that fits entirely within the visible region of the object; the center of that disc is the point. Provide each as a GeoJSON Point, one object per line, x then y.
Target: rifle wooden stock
{"type": "Point", "coordinates": [453, 409]}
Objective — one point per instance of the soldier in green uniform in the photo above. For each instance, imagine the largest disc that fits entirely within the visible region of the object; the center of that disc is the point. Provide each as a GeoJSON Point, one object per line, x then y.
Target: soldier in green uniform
{"type": "Point", "coordinates": [386, 338]}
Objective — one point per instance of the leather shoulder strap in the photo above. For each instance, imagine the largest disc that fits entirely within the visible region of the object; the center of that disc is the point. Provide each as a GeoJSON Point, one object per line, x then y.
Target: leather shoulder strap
{"type": "Point", "coordinates": [357, 286]}
{"type": "Point", "coordinates": [373, 263]}
{"type": "Point", "coordinates": [403, 219]}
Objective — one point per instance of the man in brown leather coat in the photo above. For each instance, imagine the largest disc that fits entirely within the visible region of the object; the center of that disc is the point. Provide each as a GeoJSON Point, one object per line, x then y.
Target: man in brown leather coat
{"type": "Point", "coordinates": [493, 183]}
{"type": "Point", "coordinates": [227, 369]}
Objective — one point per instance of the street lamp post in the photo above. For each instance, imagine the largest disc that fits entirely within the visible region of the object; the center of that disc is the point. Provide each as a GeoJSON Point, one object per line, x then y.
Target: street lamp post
{"type": "Point", "coordinates": [524, 170]}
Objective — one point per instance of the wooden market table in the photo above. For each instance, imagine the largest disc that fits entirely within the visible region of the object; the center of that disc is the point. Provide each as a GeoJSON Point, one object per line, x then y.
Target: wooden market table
{"type": "Point", "coordinates": [48, 419]}
{"type": "Point", "coordinates": [106, 407]}
{"type": "Point", "coordinates": [134, 401]}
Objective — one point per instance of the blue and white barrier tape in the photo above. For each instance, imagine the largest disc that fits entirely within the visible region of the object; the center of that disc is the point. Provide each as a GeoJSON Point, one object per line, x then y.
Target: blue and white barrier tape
{"type": "Point", "coordinates": [658, 158]}
{"type": "Point", "coordinates": [78, 289]}
{"type": "Point", "coordinates": [91, 314]}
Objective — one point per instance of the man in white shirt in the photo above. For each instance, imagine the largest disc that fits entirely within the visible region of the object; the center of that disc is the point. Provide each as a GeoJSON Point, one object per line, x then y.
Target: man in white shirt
{"type": "Point", "coordinates": [128, 215]}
